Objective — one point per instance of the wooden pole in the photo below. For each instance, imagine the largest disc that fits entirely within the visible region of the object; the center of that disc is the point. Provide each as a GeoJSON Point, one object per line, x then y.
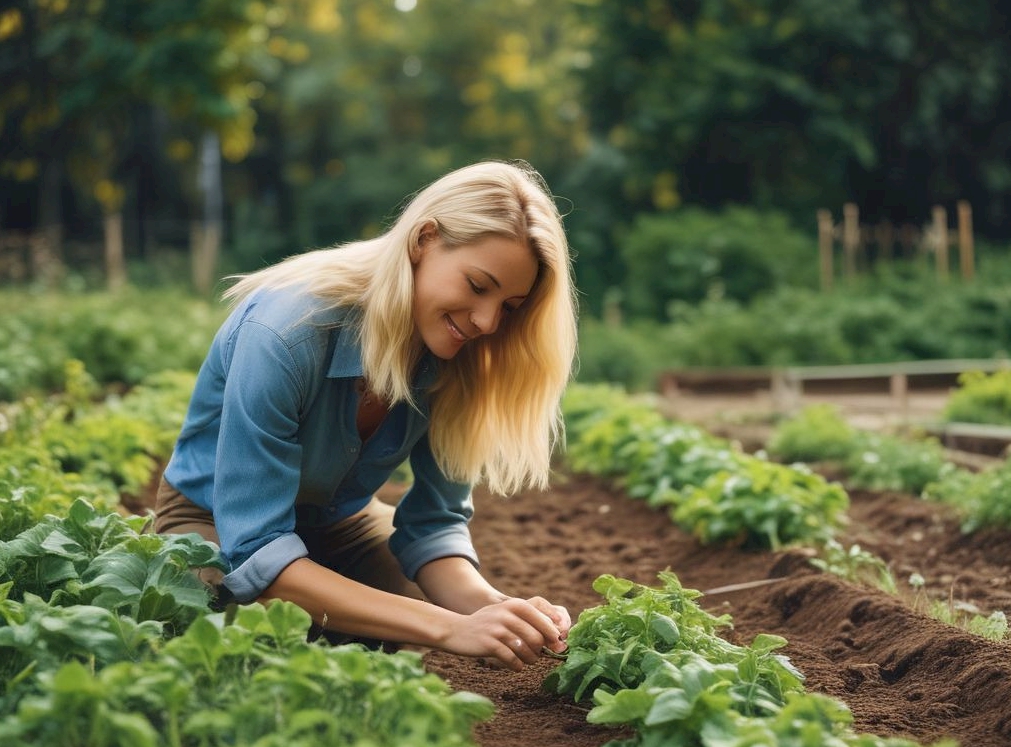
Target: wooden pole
{"type": "Point", "coordinates": [826, 240]}
{"type": "Point", "coordinates": [115, 260]}
{"type": "Point", "coordinates": [941, 239]}
{"type": "Point", "coordinates": [851, 237]}
{"type": "Point", "coordinates": [966, 250]}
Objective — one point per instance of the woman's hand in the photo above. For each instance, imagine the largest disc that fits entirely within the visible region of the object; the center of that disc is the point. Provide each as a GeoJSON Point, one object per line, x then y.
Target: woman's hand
{"type": "Point", "coordinates": [512, 631]}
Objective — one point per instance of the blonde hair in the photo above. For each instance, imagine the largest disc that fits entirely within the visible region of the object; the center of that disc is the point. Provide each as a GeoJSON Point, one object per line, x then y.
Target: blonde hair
{"type": "Point", "coordinates": [495, 406]}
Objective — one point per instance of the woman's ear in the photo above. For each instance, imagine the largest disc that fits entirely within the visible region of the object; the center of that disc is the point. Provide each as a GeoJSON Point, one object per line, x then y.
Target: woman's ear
{"type": "Point", "coordinates": [429, 232]}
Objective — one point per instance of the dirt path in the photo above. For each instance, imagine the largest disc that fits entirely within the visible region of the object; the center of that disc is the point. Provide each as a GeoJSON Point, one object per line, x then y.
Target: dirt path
{"type": "Point", "coordinates": [901, 672]}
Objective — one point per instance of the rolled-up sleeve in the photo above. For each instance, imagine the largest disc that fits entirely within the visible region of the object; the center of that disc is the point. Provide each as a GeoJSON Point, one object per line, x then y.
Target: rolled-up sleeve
{"type": "Point", "coordinates": [431, 520]}
{"type": "Point", "coordinates": [258, 460]}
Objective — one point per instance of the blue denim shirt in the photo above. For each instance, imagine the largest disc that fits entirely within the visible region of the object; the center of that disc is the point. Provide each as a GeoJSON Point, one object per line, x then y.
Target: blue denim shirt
{"type": "Point", "coordinates": [270, 443]}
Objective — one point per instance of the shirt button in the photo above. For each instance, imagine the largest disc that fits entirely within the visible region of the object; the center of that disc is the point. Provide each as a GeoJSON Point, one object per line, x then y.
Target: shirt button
{"type": "Point", "coordinates": [353, 449]}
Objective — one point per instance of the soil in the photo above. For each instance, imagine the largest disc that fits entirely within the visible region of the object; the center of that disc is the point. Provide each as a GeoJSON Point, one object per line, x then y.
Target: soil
{"type": "Point", "coordinates": [901, 672]}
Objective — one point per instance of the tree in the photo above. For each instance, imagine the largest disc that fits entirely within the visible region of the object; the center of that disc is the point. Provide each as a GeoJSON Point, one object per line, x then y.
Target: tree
{"type": "Point", "coordinates": [805, 103]}
{"type": "Point", "coordinates": [78, 79]}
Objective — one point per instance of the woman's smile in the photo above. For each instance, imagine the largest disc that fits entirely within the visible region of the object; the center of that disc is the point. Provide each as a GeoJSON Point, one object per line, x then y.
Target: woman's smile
{"type": "Point", "coordinates": [455, 330]}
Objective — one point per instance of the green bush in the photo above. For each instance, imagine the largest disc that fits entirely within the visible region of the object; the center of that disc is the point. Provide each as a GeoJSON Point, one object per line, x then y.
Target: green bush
{"type": "Point", "coordinates": [873, 319]}
{"type": "Point", "coordinates": [624, 355]}
{"type": "Point", "coordinates": [981, 399]}
{"type": "Point", "coordinates": [885, 462]}
{"type": "Point", "coordinates": [983, 498]}
{"type": "Point", "coordinates": [694, 254]}
{"type": "Point", "coordinates": [818, 433]}
{"type": "Point", "coordinates": [121, 338]}
{"type": "Point", "coordinates": [874, 461]}
{"type": "Point", "coordinates": [67, 446]}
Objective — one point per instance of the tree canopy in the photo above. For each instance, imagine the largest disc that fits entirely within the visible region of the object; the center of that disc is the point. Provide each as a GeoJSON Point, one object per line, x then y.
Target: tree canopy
{"type": "Point", "coordinates": [328, 112]}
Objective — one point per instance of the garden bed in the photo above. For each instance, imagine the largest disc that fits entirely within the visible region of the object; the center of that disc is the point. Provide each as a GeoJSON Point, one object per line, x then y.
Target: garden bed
{"type": "Point", "coordinates": [901, 672]}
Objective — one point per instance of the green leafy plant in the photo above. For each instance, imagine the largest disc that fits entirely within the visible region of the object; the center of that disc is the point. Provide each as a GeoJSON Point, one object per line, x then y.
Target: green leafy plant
{"type": "Point", "coordinates": [817, 433]}
{"type": "Point", "coordinates": [74, 445]}
{"type": "Point", "coordinates": [965, 615]}
{"type": "Point", "coordinates": [763, 504]}
{"type": "Point", "coordinates": [884, 462]}
{"type": "Point", "coordinates": [981, 398]}
{"type": "Point", "coordinates": [121, 338]}
{"type": "Point", "coordinates": [854, 564]}
{"type": "Point", "coordinates": [102, 559]}
{"type": "Point", "coordinates": [248, 677]}
{"type": "Point", "coordinates": [983, 498]}
{"type": "Point", "coordinates": [650, 658]}
{"type": "Point", "coordinates": [709, 487]}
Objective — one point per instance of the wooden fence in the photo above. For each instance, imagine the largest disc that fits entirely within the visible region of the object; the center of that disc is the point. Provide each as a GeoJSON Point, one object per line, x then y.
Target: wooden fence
{"type": "Point", "coordinates": [43, 256]}
{"type": "Point", "coordinates": [887, 241]}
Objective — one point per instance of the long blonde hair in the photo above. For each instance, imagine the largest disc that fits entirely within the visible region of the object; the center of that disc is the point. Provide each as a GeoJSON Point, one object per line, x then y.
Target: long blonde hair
{"type": "Point", "coordinates": [495, 406]}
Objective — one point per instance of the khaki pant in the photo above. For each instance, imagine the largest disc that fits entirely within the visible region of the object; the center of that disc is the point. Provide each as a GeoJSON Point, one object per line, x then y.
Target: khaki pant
{"type": "Point", "coordinates": [355, 547]}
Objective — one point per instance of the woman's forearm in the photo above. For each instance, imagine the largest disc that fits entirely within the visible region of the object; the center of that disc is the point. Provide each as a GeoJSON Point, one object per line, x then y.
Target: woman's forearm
{"type": "Point", "coordinates": [455, 584]}
{"type": "Point", "coordinates": [338, 603]}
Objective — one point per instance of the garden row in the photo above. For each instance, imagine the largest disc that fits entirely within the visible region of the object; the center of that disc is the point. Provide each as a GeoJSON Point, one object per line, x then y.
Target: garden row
{"type": "Point", "coordinates": [106, 636]}
{"type": "Point", "coordinates": [718, 493]}
{"type": "Point", "coordinates": [649, 657]}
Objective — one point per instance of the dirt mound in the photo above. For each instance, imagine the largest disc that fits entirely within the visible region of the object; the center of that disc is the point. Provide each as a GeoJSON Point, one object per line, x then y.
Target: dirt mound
{"type": "Point", "coordinates": [901, 672]}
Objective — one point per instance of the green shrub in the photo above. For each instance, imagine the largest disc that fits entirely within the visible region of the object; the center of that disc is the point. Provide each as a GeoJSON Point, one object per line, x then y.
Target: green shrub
{"type": "Point", "coordinates": [981, 399]}
{"type": "Point", "coordinates": [625, 355]}
{"type": "Point", "coordinates": [885, 462]}
{"type": "Point", "coordinates": [121, 338]}
{"type": "Point", "coordinates": [694, 254]}
{"type": "Point", "coordinates": [818, 433]}
{"type": "Point", "coordinates": [983, 498]}
{"type": "Point", "coordinates": [66, 446]}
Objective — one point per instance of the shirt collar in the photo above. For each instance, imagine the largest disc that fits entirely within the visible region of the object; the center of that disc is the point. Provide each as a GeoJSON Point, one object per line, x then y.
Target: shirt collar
{"type": "Point", "coordinates": [346, 362]}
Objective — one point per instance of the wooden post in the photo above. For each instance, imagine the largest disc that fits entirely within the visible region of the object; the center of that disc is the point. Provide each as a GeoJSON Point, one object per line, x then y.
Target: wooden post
{"type": "Point", "coordinates": [941, 241]}
{"type": "Point", "coordinates": [115, 261]}
{"type": "Point", "coordinates": [966, 251]}
{"type": "Point", "coordinates": [899, 386]}
{"type": "Point", "coordinates": [851, 237]}
{"type": "Point", "coordinates": [826, 240]}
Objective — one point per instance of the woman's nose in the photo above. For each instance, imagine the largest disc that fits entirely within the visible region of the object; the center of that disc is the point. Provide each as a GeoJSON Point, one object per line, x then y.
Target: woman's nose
{"type": "Point", "coordinates": [486, 319]}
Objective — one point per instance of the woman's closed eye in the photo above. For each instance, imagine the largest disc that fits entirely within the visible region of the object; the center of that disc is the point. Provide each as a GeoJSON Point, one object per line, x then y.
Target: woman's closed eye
{"type": "Point", "coordinates": [475, 287]}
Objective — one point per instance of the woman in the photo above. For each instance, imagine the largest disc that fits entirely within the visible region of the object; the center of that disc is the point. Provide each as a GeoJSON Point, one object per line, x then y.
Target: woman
{"type": "Point", "coordinates": [448, 340]}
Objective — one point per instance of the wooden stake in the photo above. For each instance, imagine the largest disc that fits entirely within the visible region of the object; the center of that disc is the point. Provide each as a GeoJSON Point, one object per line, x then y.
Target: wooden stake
{"type": "Point", "coordinates": [941, 238]}
{"type": "Point", "coordinates": [115, 259]}
{"type": "Point", "coordinates": [851, 237]}
{"type": "Point", "coordinates": [826, 240]}
{"type": "Point", "coordinates": [966, 250]}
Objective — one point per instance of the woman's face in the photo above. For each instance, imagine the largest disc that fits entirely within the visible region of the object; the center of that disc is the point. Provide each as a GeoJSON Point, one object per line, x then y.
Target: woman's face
{"type": "Point", "coordinates": [465, 292]}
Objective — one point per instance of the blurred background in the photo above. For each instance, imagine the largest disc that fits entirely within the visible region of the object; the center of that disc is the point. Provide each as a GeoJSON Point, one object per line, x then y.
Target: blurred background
{"type": "Point", "coordinates": [744, 181]}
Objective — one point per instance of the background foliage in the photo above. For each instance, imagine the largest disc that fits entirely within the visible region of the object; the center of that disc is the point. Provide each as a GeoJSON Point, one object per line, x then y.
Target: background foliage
{"type": "Point", "coordinates": [329, 113]}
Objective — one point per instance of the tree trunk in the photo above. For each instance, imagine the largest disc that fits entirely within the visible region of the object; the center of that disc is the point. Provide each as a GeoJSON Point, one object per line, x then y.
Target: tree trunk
{"type": "Point", "coordinates": [206, 245]}
{"type": "Point", "coordinates": [115, 260]}
{"type": "Point", "coordinates": [47, 257]}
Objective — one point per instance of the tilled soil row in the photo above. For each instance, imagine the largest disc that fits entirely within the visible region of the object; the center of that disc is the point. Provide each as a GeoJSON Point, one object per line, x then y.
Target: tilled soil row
{"type": "Point", "coordinates": [901, 672]}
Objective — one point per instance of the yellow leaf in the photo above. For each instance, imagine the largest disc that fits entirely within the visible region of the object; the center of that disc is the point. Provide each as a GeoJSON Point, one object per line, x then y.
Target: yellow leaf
{"type": "Point", "coordinates": [10, 24]}
{"type": "Point", "coordinates": [324, 17]}
{"type": "Point", "coordinates": [180, 149]}
{"type": "Point", "coordinates": [110, 195]}
{"type": "Point", "coordinates": [665, 194]}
